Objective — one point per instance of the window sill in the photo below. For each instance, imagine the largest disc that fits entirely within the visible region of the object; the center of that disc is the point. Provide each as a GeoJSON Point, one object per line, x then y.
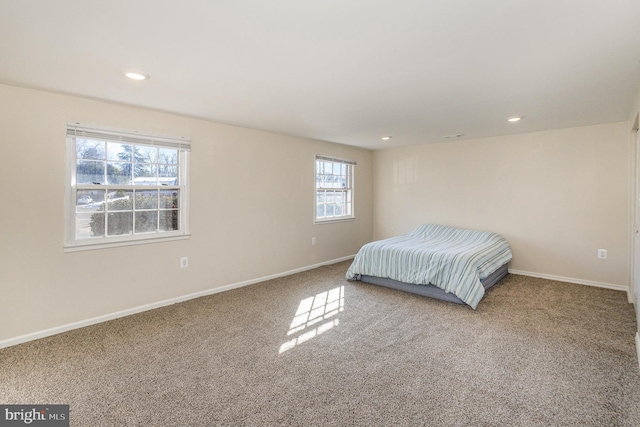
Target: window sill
{"type": "Point", "coordinates": [106, 245]}
{"type": "Point", "coordinates": [333, 220]}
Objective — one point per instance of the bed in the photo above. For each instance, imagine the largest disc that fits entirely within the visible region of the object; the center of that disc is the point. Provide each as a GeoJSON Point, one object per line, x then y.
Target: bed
{"type": "Point", "coordinates": [434, 260]}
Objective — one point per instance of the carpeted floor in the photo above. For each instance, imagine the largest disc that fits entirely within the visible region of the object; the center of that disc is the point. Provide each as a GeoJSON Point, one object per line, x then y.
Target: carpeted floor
{"type": "Point", "coordinates": [312, 349]}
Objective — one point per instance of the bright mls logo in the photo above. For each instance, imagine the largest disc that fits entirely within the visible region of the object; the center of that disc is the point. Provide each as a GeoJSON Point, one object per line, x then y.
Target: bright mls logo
{"type": "Point", "coordinates": [34, 415]}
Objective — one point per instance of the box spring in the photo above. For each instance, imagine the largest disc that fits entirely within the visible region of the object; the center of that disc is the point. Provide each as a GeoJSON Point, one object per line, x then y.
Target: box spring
{"type": "Point", "coordinates": [431, 290]}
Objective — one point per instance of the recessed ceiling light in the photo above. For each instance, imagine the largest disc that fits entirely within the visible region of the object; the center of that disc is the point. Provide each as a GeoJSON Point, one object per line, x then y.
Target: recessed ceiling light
{"type": "Point", "coordinates": [514, 119]}
{"type": "Point", "coordinates": [386, 138]}
{"type": "Point", "coordinates": [136, 75]}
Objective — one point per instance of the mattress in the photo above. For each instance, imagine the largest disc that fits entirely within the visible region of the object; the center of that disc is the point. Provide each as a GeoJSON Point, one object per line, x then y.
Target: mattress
{"type": "Point", "coordinates": [453, 259]}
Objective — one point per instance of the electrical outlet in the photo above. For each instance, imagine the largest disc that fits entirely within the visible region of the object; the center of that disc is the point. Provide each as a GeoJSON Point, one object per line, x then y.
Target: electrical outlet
{"type": "Point", "coordinates": [313, 240]}
{"type": "Point", "coordinates": [602, 253]}
{"type": "Point", "coordinates": [184, 262]}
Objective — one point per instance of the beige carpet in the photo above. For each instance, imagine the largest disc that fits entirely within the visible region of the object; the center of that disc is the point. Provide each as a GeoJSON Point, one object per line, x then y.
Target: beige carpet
{"type": "Point", "coordinates": [314, 350]}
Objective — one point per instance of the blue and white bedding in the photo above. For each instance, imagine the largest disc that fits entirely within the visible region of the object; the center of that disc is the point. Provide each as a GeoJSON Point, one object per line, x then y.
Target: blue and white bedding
{"type": "Point", "coordinates": [453, 259]}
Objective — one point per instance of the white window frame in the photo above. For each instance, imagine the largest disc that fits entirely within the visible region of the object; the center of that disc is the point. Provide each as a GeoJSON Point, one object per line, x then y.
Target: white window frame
{"type": "Point", "coordinates": [347, 189]}
{"type": "Point", "coordinates": [183, 145]}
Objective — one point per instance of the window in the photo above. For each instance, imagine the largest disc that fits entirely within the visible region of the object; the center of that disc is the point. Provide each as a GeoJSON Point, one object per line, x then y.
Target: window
{"type": "Point", "coordinates": [334, 189]}
{"type": "Point", "coordinates": [124, 187]}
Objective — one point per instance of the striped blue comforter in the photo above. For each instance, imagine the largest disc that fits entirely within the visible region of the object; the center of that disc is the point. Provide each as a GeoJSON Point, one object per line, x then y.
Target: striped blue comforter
{"type": "Point", "coordinates": [451, 258]}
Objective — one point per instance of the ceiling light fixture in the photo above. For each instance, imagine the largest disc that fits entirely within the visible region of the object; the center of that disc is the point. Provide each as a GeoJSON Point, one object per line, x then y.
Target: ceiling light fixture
{"type": "Point", "coordinates": [386, 138]}
{"type": "Point", "coordinates": [514, 119]}
{"type": "Point", "coordinates": [136, 75]}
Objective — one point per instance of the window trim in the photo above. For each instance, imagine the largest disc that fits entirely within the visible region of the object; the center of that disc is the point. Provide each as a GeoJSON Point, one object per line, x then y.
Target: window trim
{"type": "Point", "coordinates": [182, 144]}
{"type": "Point", "coordinates": [351, 163]}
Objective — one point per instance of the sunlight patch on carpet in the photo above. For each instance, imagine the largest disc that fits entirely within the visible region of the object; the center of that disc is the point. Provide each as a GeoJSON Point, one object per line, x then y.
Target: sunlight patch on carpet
{"type": "Point", "coordinates": [317, 310]}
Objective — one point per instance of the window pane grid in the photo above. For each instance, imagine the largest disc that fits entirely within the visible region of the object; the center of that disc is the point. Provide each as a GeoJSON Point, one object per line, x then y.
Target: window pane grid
{"type": "Point", "coordinates": [112, 163]}
{"type": "Point", "coordinates": [334, 190]}
{"type": "Point", "coordinates": [128, 211]}
{"type": "Point", "coordinates": [333, 204]}
{"type": "Point", "coordinates": [336, 176]}
{"type": "Point", "coordinates": [148, 202]}
{"type": "Point", "coordinates": [124, 184]}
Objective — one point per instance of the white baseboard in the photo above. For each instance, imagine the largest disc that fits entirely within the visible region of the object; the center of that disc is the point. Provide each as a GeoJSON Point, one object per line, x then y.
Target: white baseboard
{"type": "Point", "coordinates": [572, 280]}
{"type": "Point", "coordinates": [106, 317]}
{"type": "Point", "coordinates": [638, 347]}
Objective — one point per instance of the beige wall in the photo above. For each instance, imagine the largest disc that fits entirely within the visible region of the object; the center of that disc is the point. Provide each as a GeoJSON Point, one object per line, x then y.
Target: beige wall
{"type": "Point", "coordinates": [557, 196]}
{"type": "Point", "coordinates": [251, 214]}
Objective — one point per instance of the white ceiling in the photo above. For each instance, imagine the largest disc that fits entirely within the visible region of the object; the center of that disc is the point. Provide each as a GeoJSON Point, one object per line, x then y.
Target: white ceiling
{"type": "Point", "coordinates": [348, 71]}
